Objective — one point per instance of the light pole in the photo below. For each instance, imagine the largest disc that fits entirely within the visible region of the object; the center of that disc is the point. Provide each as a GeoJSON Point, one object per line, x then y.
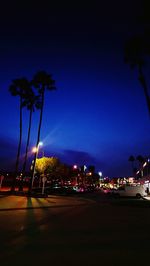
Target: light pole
{"type": "Point", "coordinates": [100, 178]}
{"type": "Point", "coordinates": [35, 150]}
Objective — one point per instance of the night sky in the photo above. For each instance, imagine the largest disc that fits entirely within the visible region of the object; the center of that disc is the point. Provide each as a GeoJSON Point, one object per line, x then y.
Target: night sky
{"type": "Point", "coordinates": [98, 114]}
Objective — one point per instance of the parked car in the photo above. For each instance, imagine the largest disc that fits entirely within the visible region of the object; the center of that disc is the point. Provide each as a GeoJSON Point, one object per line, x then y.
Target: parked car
{"type": "Point", "coordinates": [137, 191]}
{"type": "Point", "coordinates": [79, 188]}
{"type": "Point", "coordinates": [108, 191]}
{"type": "Point", "coordinates": [58, 189]}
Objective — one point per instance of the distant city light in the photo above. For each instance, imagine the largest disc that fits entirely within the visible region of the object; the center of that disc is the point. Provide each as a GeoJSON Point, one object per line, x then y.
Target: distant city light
{"type": "Point", "coordinates": [100, 173]}
{"type": "Point", "coordinates": [75, 166]}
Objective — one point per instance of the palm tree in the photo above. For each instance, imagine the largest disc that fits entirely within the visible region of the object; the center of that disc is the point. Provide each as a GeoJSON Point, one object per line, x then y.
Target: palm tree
{"type": "Point", "coordinates": [42, 81]}
{"type": "Point", "coordinates": [140, 159]}
{"type": "Point", "coordinates": [135, 52]}
{"type": "Point", "coordinates": [31, 101]}
{"type": "Point", "coordinates": [18, 88]}
{"type": "Point", "coordinates": [132, 159]}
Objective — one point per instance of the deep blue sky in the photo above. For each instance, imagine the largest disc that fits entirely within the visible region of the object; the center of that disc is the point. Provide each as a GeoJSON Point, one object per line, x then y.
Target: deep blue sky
{"type": "Point", "coordinates": [98, 114]}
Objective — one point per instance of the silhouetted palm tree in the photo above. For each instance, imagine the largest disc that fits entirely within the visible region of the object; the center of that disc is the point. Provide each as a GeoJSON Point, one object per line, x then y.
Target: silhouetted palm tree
{"type": "Point", "coordinates": [132, 159]}
{"type": "Point", "coordinates": [140, 159]}
{"type": "Point", "coordinates": [31, 101]}
{"type": "Point", "coordinates": [42, 81]}
{"type": "Point", "coordinates": [18, 88]}
{"type": "Point", "coordinates": [135, 51]}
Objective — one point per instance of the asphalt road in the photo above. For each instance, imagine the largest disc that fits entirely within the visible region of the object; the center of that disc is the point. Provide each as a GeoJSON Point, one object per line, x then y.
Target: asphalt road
{"type": "Point", "coordinates": [80, 232]}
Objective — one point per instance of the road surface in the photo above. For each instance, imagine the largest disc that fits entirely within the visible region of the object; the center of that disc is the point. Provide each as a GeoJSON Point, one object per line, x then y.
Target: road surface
{"type": "Point", "coordinates": [74, 231]}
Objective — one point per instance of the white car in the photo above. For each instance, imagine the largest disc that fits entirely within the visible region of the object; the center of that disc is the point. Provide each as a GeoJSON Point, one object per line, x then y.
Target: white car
{"type": "Point", "coordinates": [137, 191]}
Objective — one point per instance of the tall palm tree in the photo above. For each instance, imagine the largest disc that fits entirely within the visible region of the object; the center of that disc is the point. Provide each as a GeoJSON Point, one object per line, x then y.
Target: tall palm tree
{"type": "Point", "coordinates": [42, 81]}
{"type": "Point", "coordinates": [135, 52]}
{"type": "Point", "coordinates": [132, 159]}
{"type": "Point", "coordinates": [141, 160]}
{"type": "Point", "coordinates": [18, 88]}
{"type": "Point", "coordinates": [31, 101]}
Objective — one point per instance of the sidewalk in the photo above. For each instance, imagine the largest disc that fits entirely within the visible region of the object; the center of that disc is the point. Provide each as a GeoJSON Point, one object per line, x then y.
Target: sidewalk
{"type": "Point", "coordinates": [17, 202]}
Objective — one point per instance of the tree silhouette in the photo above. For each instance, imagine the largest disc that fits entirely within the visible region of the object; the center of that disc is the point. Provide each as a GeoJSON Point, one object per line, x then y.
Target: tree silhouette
{"type": "Point", "coordinates": [31, 102]}
{"type": "Point", "coordinates": [136, 50]}
{"type": "Point", "coordinates": [42, 81]}
{"type": "Point", "coordinates": [18, 88]}
{"type": "Point", "coordinates": [140, 159]}
{"type": "Point", "coordinates": [132, 159]}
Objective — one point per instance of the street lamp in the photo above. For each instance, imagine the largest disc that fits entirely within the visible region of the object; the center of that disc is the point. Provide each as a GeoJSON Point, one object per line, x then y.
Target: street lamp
{"type": "Point", "coordinates": [100, 177]}
{"type": "Point", "coordinates": [35, 150]}
{"type": "Point", "coordinates": [100, 174]}
{"type": "Point", "coordinates": [75, 167]}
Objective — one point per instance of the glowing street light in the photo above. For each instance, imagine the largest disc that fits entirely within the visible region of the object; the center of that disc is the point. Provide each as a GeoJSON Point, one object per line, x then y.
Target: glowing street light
{"type": "Point", "coordinates": [100, 174]}
{"type": "Point", "coordinates": [40, 143]}
{"type": "Point", "coordinates": [35, 150]}
{"type": "Point", "coordinates": [75, 166]}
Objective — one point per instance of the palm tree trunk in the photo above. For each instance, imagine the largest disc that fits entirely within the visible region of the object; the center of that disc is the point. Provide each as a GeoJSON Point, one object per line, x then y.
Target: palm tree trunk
{"type": "Point", "coordinates": [144, 85]}
{"type": "Point", "coordinates": [26, 152]}
{"type": "Point", "coordinates": [19, 148]}
{"type": "Point", "coordinates": [38, 138]}
{"type": "Point", "coordinates": [41, 116]}
{"type": "Point", "coordinates": [133, 167]}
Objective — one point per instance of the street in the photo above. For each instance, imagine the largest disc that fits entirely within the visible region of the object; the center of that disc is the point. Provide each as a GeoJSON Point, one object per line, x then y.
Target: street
{"type": "Point", "coordinates": [74, 231]}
